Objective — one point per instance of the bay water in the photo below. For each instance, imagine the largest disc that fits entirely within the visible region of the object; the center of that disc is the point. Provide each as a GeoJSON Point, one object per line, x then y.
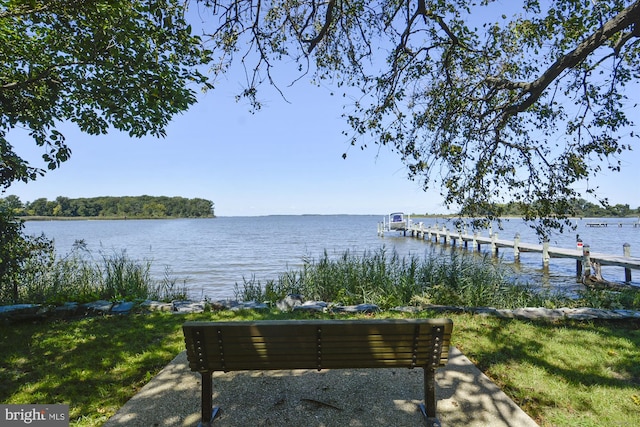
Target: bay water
{"type": "Point", "coordinates": [212, 255]}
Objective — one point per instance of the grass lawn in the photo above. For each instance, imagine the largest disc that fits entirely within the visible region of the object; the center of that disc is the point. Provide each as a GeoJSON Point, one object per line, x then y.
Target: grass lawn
{"type": "Point", "coordinates": [565, 374]}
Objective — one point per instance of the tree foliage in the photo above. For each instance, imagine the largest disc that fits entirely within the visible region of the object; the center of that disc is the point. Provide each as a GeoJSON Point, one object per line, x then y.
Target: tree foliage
{"type": "Point", "coordinates": [491, 102]}
{"type": "Point", "coordinates": [126, 65]}
{"type": "Point", "coordinates": [582, 208]}
{"type": "Point", "coordinates": [16, 250]}
{"type": "Point", "coordinates": [126, 206]}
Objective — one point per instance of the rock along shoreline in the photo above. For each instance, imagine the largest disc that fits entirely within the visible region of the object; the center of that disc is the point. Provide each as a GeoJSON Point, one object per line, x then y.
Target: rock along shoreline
{"type": "Point", "coordinates": [70, 310]}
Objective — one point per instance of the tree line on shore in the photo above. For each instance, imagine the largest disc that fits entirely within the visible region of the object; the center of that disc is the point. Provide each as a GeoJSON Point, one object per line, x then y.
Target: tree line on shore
{"type": "Point", "coordinates": [110, 206]}
{"type": "Point", "coordinates": [578, 208]}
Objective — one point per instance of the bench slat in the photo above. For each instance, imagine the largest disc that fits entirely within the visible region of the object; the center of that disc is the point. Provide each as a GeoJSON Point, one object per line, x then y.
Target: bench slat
{"type": "Point", "coordinates": [296, 329]}
{"type": "Point", "coordinates": [213, 350]}
{"type": "Point", "coordinates": [232, 345]}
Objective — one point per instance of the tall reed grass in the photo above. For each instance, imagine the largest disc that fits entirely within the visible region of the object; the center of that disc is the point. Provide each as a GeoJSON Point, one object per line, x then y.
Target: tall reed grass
{"type": "Point", "coordinates": [79, 277]}
{"type": "Point", "coordinates": [386, 279]}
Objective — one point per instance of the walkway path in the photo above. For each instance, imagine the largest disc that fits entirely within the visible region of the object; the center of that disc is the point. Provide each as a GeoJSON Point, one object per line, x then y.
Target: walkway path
{"type": "Point", "coordinates": [361, 397]}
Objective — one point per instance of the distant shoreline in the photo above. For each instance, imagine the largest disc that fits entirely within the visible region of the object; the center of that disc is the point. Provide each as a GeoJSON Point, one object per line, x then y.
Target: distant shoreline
{"type": "Point", "coordinates": [102, 218]}
{"type": "Point", "coordinates": [518, 217]}
{"type": "Point", "coordinates": [412, 216]}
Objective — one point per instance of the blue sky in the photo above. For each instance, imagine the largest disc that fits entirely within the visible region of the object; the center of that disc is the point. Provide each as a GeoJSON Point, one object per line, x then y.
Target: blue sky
{"type": "Point", "coordinates": [284, 159]}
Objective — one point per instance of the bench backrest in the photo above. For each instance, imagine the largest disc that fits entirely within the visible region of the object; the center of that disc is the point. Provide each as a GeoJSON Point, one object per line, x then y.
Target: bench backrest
{"type": "Point", "coordinates": [317, 344]}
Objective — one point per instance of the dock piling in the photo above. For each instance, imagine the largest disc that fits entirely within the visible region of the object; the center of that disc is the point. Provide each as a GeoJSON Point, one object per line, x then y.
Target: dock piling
{"type": "Point", "coordinates": [578, 262]}
{"type": "Point", "coordinates": [586, 261]}
{"type": "Point", "coordinates": [626, 252]}
{"type": "Point", "coordinates": [545, 253]}
{"type": "Point", "coordinates": [516, 247]}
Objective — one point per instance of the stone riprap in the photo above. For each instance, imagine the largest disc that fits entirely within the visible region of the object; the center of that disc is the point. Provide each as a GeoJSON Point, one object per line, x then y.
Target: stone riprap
{"type": "Point", "coordinates": [26, 312]}
{"type": "Point", "coordinates": [537, 313]}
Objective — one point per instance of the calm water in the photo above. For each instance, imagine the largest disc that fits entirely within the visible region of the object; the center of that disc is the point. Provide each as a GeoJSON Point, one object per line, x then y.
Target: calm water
{"type": "Point", "coordinates": [215, 254]}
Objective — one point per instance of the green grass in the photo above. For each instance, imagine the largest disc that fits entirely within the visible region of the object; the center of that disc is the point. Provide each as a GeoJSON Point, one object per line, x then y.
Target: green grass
{"type": "Point", "coordinates": [565, 374]}
{"type": "Point", "coordinates": [94, 364]}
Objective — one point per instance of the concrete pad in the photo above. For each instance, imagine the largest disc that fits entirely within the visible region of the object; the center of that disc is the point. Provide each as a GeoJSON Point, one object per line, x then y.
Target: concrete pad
{"type": "Point", "coordinates": [329, 398]}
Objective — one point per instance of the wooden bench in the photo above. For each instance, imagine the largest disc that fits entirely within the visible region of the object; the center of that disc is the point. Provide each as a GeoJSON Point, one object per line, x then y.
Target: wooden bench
{"type": "Point", "coordinates": [318, 344]}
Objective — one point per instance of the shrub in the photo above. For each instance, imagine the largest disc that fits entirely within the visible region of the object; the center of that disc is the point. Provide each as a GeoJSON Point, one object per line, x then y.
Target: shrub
{"type": "Point", "coordinates": [18, 252]}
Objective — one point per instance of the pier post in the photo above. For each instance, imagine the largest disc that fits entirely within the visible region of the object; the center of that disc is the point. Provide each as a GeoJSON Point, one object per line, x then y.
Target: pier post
{"type": "Point", "coordinates": [578, 262]}
{"type": "Point", "coordinates": [516, 248]}
{"type": "Point", "coordinates": [466, 233]}
{"type": "Point", "coordinates": [586, 261]}
{"type": "Point", "coordinates": [545, 253]}
{"type": "Point", "coordinates": [476, 245]}
{"type": "Point", "coordinates": [447, 235]}
{"type": "Point", "coordinates": [494, 247]}
{"type": "Point", "coordinates": [626, 251]}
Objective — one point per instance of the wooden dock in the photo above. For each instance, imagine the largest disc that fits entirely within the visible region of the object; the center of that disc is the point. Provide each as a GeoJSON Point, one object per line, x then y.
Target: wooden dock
{"type": "Point", "coordinates": [585, 259]}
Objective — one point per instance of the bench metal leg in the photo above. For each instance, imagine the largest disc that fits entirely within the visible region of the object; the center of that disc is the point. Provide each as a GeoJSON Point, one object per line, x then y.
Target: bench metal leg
{"type": "Point", "coordinates": [207, 410]}
{"type": "Point", "coordinates": [213, 416]}
{"type": "Point", "coordinates": [428, 408]}
{"type": "Point", "coordinates": [431, 421]}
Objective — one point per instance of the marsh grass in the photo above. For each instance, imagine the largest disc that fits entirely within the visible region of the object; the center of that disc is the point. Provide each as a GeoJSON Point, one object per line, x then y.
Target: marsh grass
{"type": "Point", "coordinates": [124, 278]}
{"type": "Point", "coordinates": [610, 300]}
{"type": "Point", "coordinates": [79, 277]}
{"type": "Point", "coordinates": [387, 280]}
{"type": "Point", "coordinates": [96, 364]}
